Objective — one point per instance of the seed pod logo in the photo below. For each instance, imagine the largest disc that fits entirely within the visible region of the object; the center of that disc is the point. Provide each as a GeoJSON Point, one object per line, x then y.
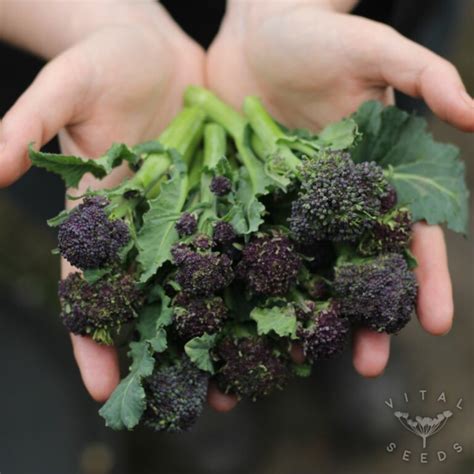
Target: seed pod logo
{"type": "Point", "coordinates": [424, 427]}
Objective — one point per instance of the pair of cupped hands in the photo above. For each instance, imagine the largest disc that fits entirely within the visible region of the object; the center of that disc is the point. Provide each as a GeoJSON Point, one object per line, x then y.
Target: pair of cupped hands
{"type": "Point", "coordinates": [117, 72]}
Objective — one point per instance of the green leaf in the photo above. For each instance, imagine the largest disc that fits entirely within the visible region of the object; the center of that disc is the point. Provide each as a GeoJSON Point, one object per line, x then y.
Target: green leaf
{"type": "Point", "coordinates": [153, 317]}
{"type": "Point", "coordinates": [278, 319]}
{"type": "Point", "coordinates": [336, 136]}
{"type": "Point", "coordinates": [302, 370]}
{"type": "Point", "coordinates": [198, 349]}
{"type": "Point", "coordinates": [159, 343]}
{"type": "Point", "coordinates": [411, 260]}
{"type": "Point", "coordinates": [429, 176]}
{"type": "Point", "coordinates": [246, 214]}
{"type": "Point", "coordinates": [158, 234]}
{"type": "Point", "coordinates": [94, 275]}
{"type": "Point", "coordinates": [340, 135]}
{"type": "Point", "coordinates": [128, 401]}
{"type": "Point", "coordinates": [73, 168]}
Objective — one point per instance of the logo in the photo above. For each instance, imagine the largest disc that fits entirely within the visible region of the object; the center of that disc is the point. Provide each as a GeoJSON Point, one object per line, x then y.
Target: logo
{"type": "Point", "coordinates": [411, 411]}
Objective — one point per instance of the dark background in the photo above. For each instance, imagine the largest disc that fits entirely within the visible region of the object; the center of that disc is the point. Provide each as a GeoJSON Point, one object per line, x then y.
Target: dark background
{"type": "Point", "coordinates": [334, 423]}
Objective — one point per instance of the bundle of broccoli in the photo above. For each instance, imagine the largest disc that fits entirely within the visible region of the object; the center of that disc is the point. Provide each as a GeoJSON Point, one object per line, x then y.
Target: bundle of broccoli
{"type": "Point", "coordinates": [237, 238]}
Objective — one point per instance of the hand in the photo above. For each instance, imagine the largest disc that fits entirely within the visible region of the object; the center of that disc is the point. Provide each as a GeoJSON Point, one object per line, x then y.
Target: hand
{"type": "Point", "coordinates": [120, 83]}
{"type": "Point", "coordinates": [312, 64]}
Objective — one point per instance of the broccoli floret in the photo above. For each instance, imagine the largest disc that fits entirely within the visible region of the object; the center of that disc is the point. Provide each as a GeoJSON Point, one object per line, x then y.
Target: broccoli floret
{"type": "Point", "coordinates": [223, 233]}
{"type": "Point", "coordinates": [220, 186]}
{"type": "Point", "coordinates": [250, 367]}
{"type": "Point", "coordinates": [186, 225]}
{"type": "Point", "coordinates": [269, 265]}
{"type": "Point", "coordinates": [325, 333]}
{"type": "Point", "coordinates": [203, 242]}
{"type": "Point", "coordinates": [98, 309]}
{"type": "Point", "coordinates": [202, 273]}
{"type": "Point", "coordinates": [175, 396]}
{"type": "Point", "coordinates": [88, 238]}
{"type": "Point", "coordinates": [339, 200]}
{"type": "Point", "coordinates": [390, 234]}
{"type": "Point", "coordinates": [379, 293]}
{"type": "Point", "coordinates": [194, 316]}
{"type": "Point", "coordinates": [389, 201]}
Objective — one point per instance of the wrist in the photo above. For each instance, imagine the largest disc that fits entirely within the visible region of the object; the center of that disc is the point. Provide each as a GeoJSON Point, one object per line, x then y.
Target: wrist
{"type": "Point", "coordinates": [46, 29]}
{"type": "Point", "coordinates": [263, 8]}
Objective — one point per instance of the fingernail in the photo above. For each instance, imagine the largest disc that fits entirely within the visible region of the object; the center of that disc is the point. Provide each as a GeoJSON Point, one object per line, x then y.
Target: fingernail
{"type": "Point", "coordinates": [467, 98]}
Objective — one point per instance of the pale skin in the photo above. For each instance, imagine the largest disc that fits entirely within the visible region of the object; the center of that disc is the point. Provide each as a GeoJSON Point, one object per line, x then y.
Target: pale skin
{"type": "Point", "coordinates": [309, 61]}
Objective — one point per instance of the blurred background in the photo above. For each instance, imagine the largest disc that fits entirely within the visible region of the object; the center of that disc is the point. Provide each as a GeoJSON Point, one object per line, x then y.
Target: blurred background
{"type": "Point", "coordinates": [333, 423]}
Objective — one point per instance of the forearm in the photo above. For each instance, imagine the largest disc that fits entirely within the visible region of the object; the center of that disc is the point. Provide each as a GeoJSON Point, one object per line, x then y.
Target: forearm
{"type": "Point", "coordinates": [47, 28]}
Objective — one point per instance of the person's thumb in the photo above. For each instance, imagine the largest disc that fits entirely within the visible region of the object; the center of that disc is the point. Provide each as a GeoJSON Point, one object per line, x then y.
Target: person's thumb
{"type": "Point", "coordinates": [37, 116]}
{"type": "Point", "coordinates": [418, 72]}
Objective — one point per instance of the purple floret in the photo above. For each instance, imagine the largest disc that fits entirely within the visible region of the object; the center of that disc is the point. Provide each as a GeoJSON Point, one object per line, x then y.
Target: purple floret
{"type": "Point", "coordinates": [391, 234]}
{"type": "Point", "coordinates": [223, 233]}
{"type": "Point", "coordinates": [389, 201]}
{"type": "Point", "coordinates": [98, 309]}
{"type": "Point", "coordinates": [339, 200]}
{"type": "Point", "coordinates": [175, 396]}
{"type": "Point", "coordinates": [326, 334]}
{"type": "Point", "coordinates": [186, 225]}
{"type": "Point", "coordinates": [88, 238]}
{"type": "Point", "coordinates": [202, 273]}
{"type": "Point", "coordinates": [379, 293]}
{"type": "Point", "coordinates": [269, 265]}
{"type": "Point", "coordinates": [220, 186]}
{"type": "Point", "coordinates": [194, 316]}
{"type": "Point", "coordinates": [203, 242]}
{"type": "Point", "coordinates": [250, 367]}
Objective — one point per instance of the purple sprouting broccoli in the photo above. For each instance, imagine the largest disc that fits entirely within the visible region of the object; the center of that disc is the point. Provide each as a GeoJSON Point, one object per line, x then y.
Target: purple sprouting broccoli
{"type": "Point", "coordinates": [202, 273]}
{"type": "Point", "coordinates": [389, 200]}
{"type": "Point", "coordinates": [88, 238]}
{"type": "Point", "coordinates": [221, 186]}
{"type": "Point", "coordinates": [324, 333]}
{"type": "Point", "coordinates": [175, 396]}
{"type": "Point", "coordinates": [223, 233]}
{"type": "Point", "coordinates": [203, 242]}
{"type": "Point", "coordinates": [99, 309]}
{"type": "Point", "coordinates": [250, 367]}
{"type": "Point", "coordinates": [339, 200]}
{"type": "Point", "coordinates": [269, 265]}
{"type": "Point", "coordinates": [391, 234]}
{"type": "Point", "coordinates": [186, 224]}
{"type": "Point", "coordinates": [194, 316]}
{"type": "Point", "coordinates": [379, 292]}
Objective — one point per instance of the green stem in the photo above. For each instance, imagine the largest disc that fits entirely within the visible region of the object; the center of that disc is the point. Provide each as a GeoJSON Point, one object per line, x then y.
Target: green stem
{"type": "Point", "coordinates": [183, 134]}
{"type": "Point", "coordinates": [236, 127]}
{"type": "Point", "coordinates": [215, 145]}
{"type": "Point", "coordinates": [217, 110]}
{"type": "Point", "coordinates": [269, 133]}
{"type": "Point", "coordinates": [195, 171]}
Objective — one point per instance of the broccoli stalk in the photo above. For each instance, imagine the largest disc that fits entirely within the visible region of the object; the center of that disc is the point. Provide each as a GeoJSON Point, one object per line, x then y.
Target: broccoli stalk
{"type": "Point", "coordinates": [235, 125]}
{"type": "Point", "coordinates": [214, 149]}
{"type": "Point", "coordinates": [183, 135]}
{"type": "Point", "coordinates": [270, 138]}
